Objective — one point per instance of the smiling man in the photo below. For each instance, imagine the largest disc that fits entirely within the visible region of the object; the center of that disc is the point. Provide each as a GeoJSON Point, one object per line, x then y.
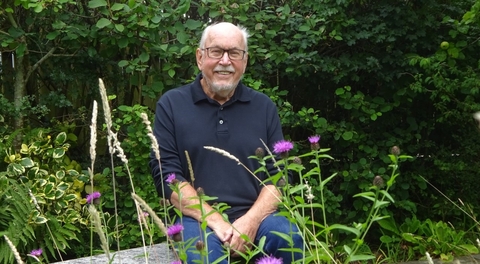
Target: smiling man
{"type": "Point", "coordinates": [218, 110]}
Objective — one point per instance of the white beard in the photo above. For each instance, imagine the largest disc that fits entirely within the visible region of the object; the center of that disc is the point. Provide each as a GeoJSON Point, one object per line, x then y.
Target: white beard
{"type": "Point", "coordinates": [223, 90]}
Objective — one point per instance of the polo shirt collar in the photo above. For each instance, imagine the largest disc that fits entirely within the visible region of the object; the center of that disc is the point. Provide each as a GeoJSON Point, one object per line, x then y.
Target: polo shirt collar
{"type": "Point", "coordinates": [241, 92]}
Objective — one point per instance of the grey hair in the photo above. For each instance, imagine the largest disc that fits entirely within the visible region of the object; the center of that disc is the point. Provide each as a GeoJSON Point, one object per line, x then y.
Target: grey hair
{"type": "Point", "coordinates": [242, 29]}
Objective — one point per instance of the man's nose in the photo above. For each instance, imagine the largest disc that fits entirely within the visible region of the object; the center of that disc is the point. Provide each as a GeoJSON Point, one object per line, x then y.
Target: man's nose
{"type": "Point", "coordinates": [225, 59]}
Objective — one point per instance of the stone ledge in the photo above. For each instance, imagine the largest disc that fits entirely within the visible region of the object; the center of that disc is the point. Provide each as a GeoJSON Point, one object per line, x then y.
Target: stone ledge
{"type": "Point", "coordinates": [158, 253]}
{"type": "Point", "coordinates": [473, 259]}
{"type": "Point", "coordinates": [161, 254]}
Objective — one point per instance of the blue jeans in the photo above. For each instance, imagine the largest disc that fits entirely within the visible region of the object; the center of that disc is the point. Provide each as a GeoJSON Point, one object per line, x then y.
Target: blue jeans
{"type": "Point", "coordinates": [273, 243]}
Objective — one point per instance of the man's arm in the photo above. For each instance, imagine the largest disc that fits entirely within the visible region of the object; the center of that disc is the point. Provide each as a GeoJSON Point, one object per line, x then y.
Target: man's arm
{"type": "Point", "coordinates": [187, 205]}
{"type": "Point", "coordinates": [266, 204]}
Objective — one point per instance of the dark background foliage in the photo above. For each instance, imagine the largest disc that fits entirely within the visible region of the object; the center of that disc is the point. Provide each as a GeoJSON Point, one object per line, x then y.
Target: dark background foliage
{"type": "Point", "coordinates": [365, 75]}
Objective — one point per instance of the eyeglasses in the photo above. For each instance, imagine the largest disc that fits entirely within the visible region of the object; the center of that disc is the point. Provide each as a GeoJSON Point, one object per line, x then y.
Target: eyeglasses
{"type": "Point", "coordinates": [217, 53]}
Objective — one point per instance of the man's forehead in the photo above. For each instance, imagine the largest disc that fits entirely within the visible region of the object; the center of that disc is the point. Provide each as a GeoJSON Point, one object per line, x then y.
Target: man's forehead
{"type": "Point", "coordinates": [225, 39]}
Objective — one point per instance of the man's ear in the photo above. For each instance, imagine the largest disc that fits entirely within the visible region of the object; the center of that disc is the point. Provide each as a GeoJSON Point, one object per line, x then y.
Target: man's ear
{"type": "Point", "coordinates": [199, 56]}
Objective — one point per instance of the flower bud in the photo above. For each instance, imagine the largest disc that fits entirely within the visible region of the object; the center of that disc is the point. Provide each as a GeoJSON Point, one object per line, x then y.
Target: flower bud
{"type": "Point", "coordinates": [395, 150]}
{"type": "Point", "coordinates": [177, 237]}
{"type": "Point", "coordinates": [200, 191]}
{"type": "Point", "coordinates": [199, 245]}
{"type": "Point", "coordinates": [260, 153]}
{"type": "Point", "coordinates": [281, 182]}
{"type": "Point", "coordinates": [297, 160]}
{"type": "Point", "coordinates": [378, 181]}
{"type": "Point", "coordinates": [164, 202]}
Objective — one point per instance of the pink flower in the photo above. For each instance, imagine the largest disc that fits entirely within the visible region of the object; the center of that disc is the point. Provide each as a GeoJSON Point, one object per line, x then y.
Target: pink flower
{"type": "Point", "coordinates": [93, 196]}
{"type": "Point", "coordinates": [314, 145]}
{"type": "Point", "coordinates": [36, 252]}
{"type": "Point", "coordinates": [170, 178]}
{"type": "Point", "coordinates": [282, 146]}
{"type": "Point", "coordinates": [176, 262]}
{"type": "Point", "coordinates": [314, 139]}
{"type": "Point", "coordinates": [269, 260]}
{"type": "Point", "coordinates": [174, 229]}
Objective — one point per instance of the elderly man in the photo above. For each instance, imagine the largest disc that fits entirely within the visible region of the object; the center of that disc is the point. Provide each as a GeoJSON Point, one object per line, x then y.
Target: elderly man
{"type": "Point", "coordinates": [218, 110]}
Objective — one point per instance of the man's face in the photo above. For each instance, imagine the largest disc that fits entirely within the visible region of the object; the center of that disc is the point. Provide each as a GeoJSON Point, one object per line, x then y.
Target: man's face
{"type": "Point", "coordinates": [222, 75]}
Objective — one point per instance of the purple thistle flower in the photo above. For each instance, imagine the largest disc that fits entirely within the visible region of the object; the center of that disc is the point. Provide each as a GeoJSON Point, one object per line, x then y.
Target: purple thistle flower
{"type": "Point", "coordinates": [282, 146]}
{"type": "Point", "coordinates": [269, 260]}
{"type": "Point", "coordinates": [93, 196]}
{"type": "Point", "coordinates": [174, 229]}
{"type": "Point", "coordinates": [314, 145]}
{"type": "Point", "coordinates": [314, 139]}
{"type": "Point", "coordinates": [170, 178]}
{"type": "Point", "coordinates": [176, 262]}
{"type": "Point", "coordinates": [36, 252]}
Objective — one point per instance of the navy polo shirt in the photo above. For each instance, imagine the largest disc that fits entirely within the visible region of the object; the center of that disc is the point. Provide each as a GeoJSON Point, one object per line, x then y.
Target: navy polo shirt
{"type": "Point", "coordinates": [186, 120]}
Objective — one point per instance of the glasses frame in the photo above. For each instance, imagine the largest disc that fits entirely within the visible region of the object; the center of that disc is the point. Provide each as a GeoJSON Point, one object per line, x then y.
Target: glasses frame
{"type": "Point", "coordinates": [223, 53]}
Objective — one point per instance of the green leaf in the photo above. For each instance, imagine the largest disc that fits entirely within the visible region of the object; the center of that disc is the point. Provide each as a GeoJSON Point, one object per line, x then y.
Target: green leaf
{"type": "Point", "coordinates": [63, 186]}
{"type": "Point", "coordinates": [60, 138]}
{"type": "Point", "coordinates": [119, 28]}
{"type": "Point", "coordinates": [48, 188]}
{"type": "Point", "coordinates": [21, 49]}
{"type": "Point", "coordinates": [347, 135]}
{"type": "Point", "coordinates": [171, 73]}
{"type": "Point", "coordinates": [97, 3]}
{"type": "Point", "coordinates": [58, 153]}
{"type": "Point", "coordinates": [70, 197]}
{"type": "Point", "coordinates": [59, 194]}
{"type": "Point", "coordinates": [15, 169]}
{"type": "Point", "coordinates": [103, 22]}
{"type": "Point", "coordinates": [40, 220]}
{"type": "Point", "coordinates": [27, 162]}
{"type": "Point", "coordinates": [344, 228]}
{"type": "Point", "coordinates": [360, 257]}
{"type": "Point", "coordinates": [324, 182]}
{"type": "Point", "coordinates": [123, 63]}
{"type": "Point", "coordinates": [117, 6]}
{"type": "Point", "coordinates": [283, 236]}
{"type": "Point", "coordinates": [38, 8]}
{"type": "Point", "coordinates": [192, 24]}
{"type": "Point", "coordinates": [304, 28]}
{"type": "Point", "coordinates": [144, 57]}
{"type": "Point", "coordinates": [52, 35]}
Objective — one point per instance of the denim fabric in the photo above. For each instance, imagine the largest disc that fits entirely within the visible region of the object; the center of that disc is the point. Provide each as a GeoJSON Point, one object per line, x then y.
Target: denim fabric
{"type": "Point", "coordinates": [273, 243]}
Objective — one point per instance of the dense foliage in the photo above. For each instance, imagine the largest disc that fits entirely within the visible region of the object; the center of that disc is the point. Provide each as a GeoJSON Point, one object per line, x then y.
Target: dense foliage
{"type": "Point", "coordinates": [365, 75]}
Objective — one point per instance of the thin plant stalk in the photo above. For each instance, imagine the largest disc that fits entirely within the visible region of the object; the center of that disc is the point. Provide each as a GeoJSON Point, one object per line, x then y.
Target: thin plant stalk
{"type": "Point", "coordinates": [108, 122]}
{"type": "Point", "coordinates": [93, 140]}
{"type": "Point", "coordinates": [14, 250]}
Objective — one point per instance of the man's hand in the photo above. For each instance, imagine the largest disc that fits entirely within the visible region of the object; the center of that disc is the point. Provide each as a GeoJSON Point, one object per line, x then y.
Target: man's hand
{"type": "Point", "coordinates": [223, 230]}
{"type": "Point", "coordinates": [243, 226]}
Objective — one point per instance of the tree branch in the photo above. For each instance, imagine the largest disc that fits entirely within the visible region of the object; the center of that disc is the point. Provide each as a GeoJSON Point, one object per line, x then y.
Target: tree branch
{"type": "Point", "coordinates": [35, 66]}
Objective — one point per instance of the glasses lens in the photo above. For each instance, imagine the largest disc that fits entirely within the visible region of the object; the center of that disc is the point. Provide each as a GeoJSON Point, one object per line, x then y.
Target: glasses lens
{"type": "Point", "coordinates": [215, 53]}
{"type": "Point", "coordinates": [235, 54]}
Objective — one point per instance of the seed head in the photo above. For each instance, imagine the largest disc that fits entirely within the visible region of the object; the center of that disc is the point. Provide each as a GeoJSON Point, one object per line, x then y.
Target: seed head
{"type": "Point", "coordinates": [378, 181]}
{"type": "Point", "coordinates": [297, 160]}
{"type": "Point", "coordinates": [395, 150]}
{"type": "Point", "coordinates": [281, 182]}
{"type": "Point", "coordinates": [200, 191]}
{"type": "Point", "coordinates": [199, 245]}
{"type": "Point", "coordinates": [164, 202]}
{"type": "Point", "coordinates": [260, 153]}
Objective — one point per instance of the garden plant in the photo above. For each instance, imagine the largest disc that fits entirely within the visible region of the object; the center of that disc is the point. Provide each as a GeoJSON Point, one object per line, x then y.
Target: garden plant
{"type": "Point", "coordinates": [364, 75]}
